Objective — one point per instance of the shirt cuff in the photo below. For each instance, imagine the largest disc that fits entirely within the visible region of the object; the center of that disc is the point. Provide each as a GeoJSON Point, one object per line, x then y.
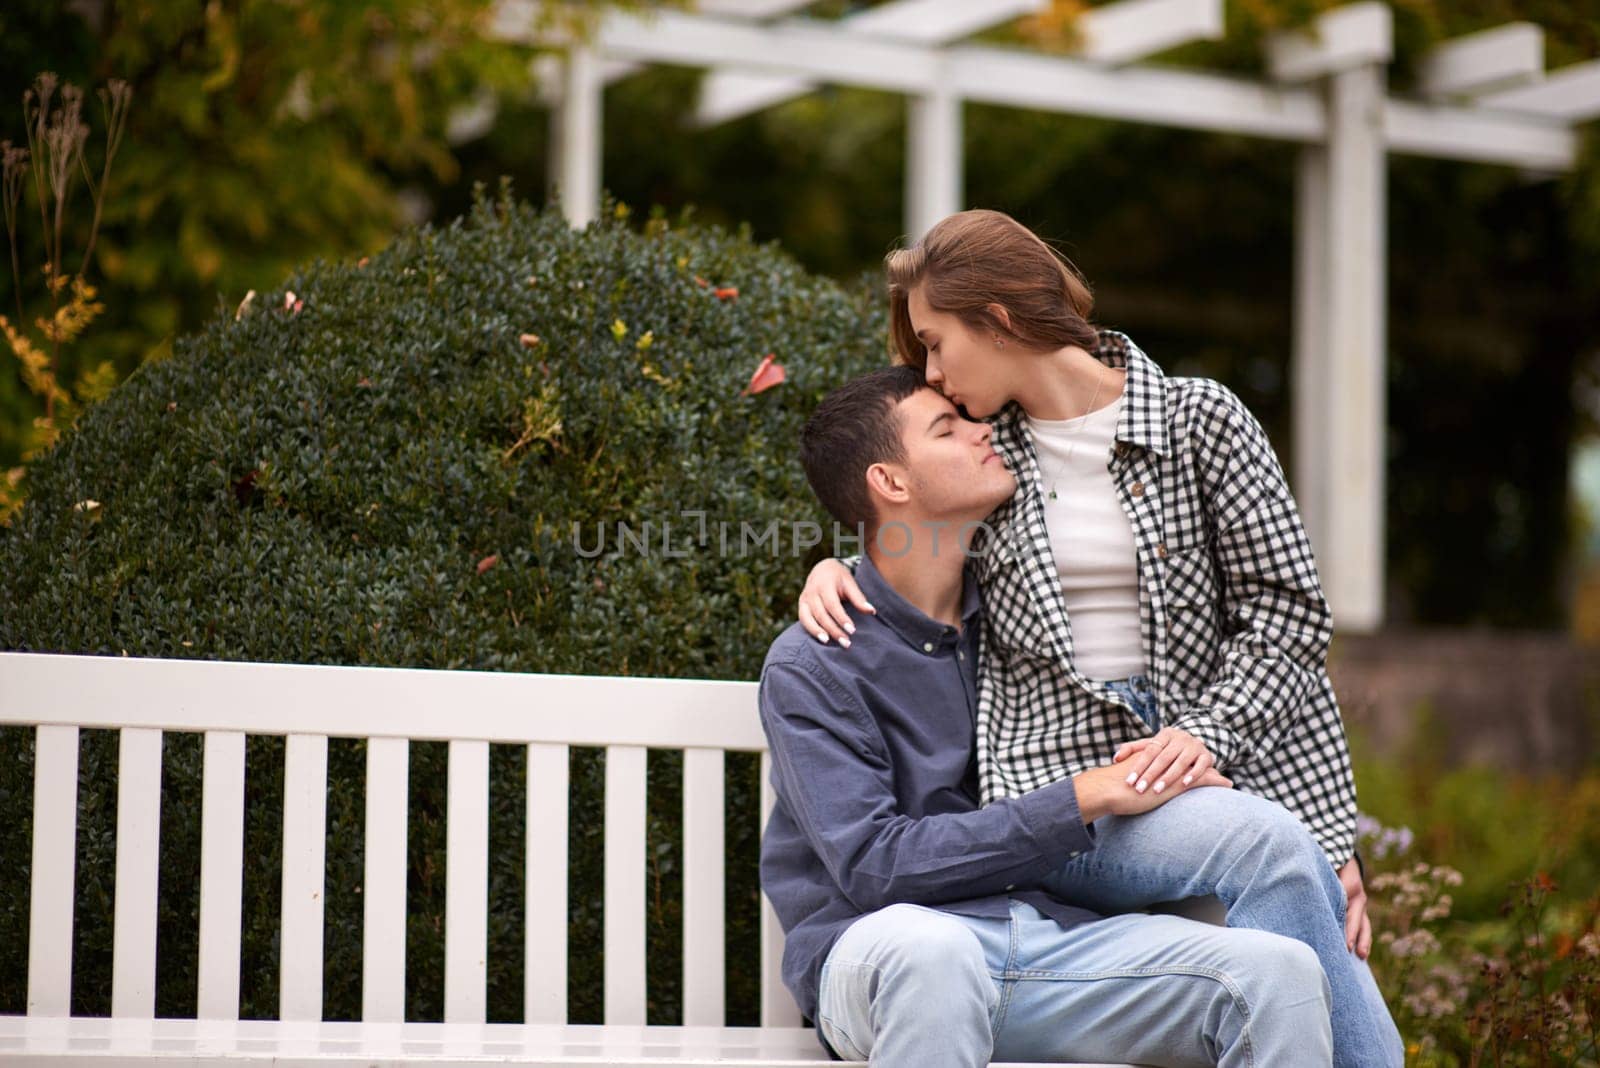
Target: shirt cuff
{"type": "Point", "coordinates": [1221, 741]}
{"type": "Point", "coordinates": [1051, 814]}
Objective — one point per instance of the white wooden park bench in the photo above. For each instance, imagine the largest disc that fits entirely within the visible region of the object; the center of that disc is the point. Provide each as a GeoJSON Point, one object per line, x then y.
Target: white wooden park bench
{"type": "Point", "coordinates": [390, 707]}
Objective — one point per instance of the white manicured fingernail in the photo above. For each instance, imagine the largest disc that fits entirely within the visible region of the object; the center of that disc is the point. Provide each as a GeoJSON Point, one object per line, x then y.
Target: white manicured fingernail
{"type": "Point", "coordinates": [1161, 785]}
{"type": "Point", "coordinates": [1141, 786]}
{"type": "Point", "coordinates": [1187, 779]}
{"type": "Point", "coordinates": [849, 626]}
{"type": "Point", "coordinates": [822, 637]}
{"type": "Point", "coordinates": [845, 642]}
{"type": "Point", "coordinates": [1132, 775]}
{"type": "Point", "coordinates": [871, 609]}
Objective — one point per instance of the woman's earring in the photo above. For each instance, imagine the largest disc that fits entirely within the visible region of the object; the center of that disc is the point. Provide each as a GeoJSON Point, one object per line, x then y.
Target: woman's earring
{"type": "Point", "coordinates": [999, 341]}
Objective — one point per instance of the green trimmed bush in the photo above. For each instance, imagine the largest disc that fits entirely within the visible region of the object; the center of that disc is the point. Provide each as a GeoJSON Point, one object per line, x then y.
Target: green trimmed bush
{"type": "Point", "coordinates": [386, 468]}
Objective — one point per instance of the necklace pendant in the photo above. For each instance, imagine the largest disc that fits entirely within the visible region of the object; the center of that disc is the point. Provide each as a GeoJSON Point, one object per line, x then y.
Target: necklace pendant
{"type": "Point", "coordinates": [1052, 495]}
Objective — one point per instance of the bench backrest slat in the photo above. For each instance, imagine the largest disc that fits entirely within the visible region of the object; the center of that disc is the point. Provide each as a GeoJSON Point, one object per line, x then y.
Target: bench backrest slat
{"type": "Point", "coordinates": [221, 874]}
{"type": "Point", "coordinates": [133, 952]}
{"type": "Point", "coordinates": [305, 807]}
{"type": "Point", "coordinates": [545, 985]}
{"type": "Point", "coordinates": [625, 885]}
{"type": "Point", "coordinates": [55, 826]}
{"type": "Point", "coordinates": [383, 883]}
{"type": "Point", "coordinates": [704, 983]}
{"type": "Point", "coordinates": [466, 885]}
{"type": "Point", "coordinates": [777, 1007]}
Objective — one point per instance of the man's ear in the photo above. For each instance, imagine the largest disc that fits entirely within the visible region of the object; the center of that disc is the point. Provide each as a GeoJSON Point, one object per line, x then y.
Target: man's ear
{"type": "Point", "coordinates": [888, 482]}
{"type": "Point", "coordinates": [1000, 315]}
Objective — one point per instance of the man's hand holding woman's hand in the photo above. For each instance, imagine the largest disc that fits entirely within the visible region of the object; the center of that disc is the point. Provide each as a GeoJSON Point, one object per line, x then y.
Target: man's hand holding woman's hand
{"type": "Point", "coordinates": [822, 610]}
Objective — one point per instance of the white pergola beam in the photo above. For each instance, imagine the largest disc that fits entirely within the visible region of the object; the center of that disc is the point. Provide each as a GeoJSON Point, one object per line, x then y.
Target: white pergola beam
{"type": "Point", "coordinates": [1506, 55]}
{"type": "Point", "coordinates": [1155, 95]}
{"type": "Point", "coordinates": [726, 95]}
{"type": "Point", "coordinates": [933, 22]}
{"type": "Point", "coordinates": [1571, 94]}
{"type": "Point", "coordinates": [1356, 35]}
{"type": "Point", "coordinates": [1473, 135]}
{"type": "Point", "coordinates": [752, 9]}
{"type": "Point", "coordinates": [816, 50]}
{"type": "Point", "coordinates": [1127, 30]}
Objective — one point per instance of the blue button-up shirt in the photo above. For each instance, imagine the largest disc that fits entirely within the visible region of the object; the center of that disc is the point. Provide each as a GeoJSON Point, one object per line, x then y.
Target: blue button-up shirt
{"type": "Point", "coordinates": [874, 767]}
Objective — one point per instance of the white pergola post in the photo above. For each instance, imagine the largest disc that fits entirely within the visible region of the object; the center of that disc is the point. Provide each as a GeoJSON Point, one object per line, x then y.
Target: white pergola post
{"type": "Point", "coordinates": [577, 135]}
{"type": "Point", "coordinates": [934, 159]}
{"type": "Point", "coordinates": [1308, 376]}
{"type": "Point", "coordinates": [1341, 286]}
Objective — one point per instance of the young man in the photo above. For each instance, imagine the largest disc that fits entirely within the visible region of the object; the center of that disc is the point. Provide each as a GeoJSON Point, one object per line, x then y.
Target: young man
{"type": "Point", "coordinates": [917, 928]}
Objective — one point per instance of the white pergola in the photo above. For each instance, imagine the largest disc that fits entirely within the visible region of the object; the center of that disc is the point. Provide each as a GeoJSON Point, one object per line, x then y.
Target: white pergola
{"type": "Point", "coordinates": [1483, 98]}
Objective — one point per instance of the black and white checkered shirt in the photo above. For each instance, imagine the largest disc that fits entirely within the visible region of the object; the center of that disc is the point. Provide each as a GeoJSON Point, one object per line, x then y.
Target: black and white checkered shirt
{"type": "Point", "coordinates": [1235, 626]}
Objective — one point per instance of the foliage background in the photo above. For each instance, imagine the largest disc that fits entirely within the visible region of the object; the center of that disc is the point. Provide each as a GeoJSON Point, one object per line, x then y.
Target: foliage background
{"type": "Point", "coordinates": [267, 134]}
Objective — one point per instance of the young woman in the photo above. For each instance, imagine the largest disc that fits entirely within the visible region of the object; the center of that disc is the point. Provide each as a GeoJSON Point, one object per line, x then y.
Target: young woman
{"type": "Point", "coordinates": [1150, 598]}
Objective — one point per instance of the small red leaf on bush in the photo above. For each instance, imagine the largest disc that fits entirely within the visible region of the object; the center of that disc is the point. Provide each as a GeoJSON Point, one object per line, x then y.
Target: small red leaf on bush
{"type": "Point", "coordinates": [728, 293]}
{"type": "Point", "coordinates": [244, 489]}
{"type": "Point", "coordinates": [769, 374]}
{"type": "Point", "coordinates": [529, 340]}
{"type": "Point", "coordinates": [487, 562]}
{"type": "Point", "coordinates": [365, 382]}
{"type": "Point", "coordinates": [701, 282]}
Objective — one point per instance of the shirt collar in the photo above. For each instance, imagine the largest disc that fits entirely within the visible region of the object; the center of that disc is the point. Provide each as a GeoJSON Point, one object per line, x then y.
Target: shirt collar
{"type": "Point", "coordinates": [1143, 421]}
{"type": "Point", "coordinates": [907, 620]}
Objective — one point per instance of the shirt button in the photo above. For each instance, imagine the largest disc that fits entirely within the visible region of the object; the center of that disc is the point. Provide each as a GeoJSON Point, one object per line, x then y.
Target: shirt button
{"type": "Point", "coordinates": [1074, 855]}
{"type": "Point", "coordinates": [1161, 550]}
{"type": "Point", "coordinates": [1012, 886]}
{"type": "Point", "coordinates": [1122, 448]}
{"type": "Point", "coordinates": [960, 655]}
{"type": "Point", "coordinates": [1137, 489]}
{"type": "Point", "coordinates": [927, 647]}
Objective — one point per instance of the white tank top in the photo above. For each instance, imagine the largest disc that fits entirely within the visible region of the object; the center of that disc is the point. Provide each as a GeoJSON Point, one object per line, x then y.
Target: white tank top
{"type": "Point", "coordinates": [1092, 542]}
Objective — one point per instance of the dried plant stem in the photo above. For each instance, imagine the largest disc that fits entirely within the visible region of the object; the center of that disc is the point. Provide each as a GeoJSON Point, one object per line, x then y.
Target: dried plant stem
{"type": "Point", "coordinates": [114, 104]}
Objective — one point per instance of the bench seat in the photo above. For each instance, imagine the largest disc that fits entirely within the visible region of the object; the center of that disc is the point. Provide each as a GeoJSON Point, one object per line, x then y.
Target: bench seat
{"type": "Point", "coordinates": [39, 1039]}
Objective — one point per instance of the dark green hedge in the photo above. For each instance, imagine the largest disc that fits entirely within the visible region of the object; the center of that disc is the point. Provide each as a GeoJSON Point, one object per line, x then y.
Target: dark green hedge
{"type": "Point", "coordinates": [329, 485]}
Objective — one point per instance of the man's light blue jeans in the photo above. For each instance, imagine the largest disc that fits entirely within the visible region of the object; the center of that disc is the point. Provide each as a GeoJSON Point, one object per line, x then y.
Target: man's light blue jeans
{"type": "Point", "coordinates": [911, 986]}
{"type": "Point", "coordinates": [1271, 875]}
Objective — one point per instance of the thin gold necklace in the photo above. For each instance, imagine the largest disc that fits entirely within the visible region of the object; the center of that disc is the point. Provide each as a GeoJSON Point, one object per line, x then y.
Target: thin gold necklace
{"type": "Point", "coordinates": [1072, 442]}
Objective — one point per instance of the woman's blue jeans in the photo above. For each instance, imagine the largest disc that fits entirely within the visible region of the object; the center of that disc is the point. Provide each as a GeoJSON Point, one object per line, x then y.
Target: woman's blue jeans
{"type": "Point", "coordinates": [1269, 873]}
{"type": "Point", "coordinates": [910, 986]}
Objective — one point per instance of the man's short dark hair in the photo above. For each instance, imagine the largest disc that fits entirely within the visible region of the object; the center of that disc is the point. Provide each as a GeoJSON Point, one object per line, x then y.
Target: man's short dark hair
{"type": "Point", "coordinates": [853, 428]}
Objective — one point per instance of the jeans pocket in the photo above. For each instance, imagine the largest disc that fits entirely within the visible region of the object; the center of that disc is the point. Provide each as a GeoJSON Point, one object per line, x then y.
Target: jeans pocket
{"type": "Point", "coordinates": [839, 1039]}
{"type": "Point", "coordinates": [840, 1001]}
